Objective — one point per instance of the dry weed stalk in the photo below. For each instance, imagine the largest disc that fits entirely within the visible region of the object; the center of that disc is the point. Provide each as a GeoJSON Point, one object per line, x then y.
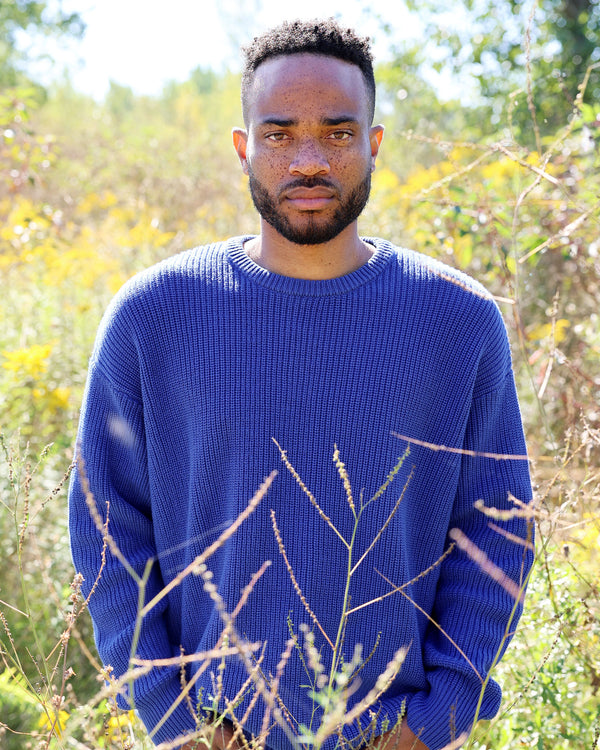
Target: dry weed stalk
{"type": "Point", "coordinates": [340, 682]}
{"type": "Point", "coordinates": [338, 685]}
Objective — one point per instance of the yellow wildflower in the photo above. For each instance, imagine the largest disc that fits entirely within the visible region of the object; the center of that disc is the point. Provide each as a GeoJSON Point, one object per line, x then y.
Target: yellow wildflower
{"type": "Point", "coordinates": [60, 398]}
{"type": "Point", "coordinates": [28, 362]}
{"type": "Point", "coordinates": [119, 723]}
{"type": "Point", "coordinates": [557, 330]}
{"type": "Point", "coordinates": [53, 722]}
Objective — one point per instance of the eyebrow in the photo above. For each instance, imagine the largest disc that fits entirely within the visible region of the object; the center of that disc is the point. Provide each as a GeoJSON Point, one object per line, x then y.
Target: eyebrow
{"type": "Point", "coordinates": [328, 121]}
{"type": "Point", "coordinates": [343, 119]}
{"type": "Point", "coordinates": [278, 122]}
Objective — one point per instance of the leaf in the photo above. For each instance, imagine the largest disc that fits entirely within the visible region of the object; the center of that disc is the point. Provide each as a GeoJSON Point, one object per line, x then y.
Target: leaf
{"type": "Point", "coordinates": [589, 113]}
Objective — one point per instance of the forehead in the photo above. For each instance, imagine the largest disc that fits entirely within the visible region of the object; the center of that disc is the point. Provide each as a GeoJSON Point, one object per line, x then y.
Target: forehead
{"type": "Point", "coordinates": [306, 85]}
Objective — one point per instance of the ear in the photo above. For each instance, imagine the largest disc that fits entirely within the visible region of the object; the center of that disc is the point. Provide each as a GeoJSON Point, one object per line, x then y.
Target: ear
{"type": "Point", "coordinates": [240, 141]}
{"type": "Point", "coordinates": [375, 138]}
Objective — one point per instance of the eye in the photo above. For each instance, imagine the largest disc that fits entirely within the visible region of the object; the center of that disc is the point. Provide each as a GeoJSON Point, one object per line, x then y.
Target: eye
{"type": "Point", "coordinates": [340, 135]}
{"type": "Point", "coordinates": [277, 137]}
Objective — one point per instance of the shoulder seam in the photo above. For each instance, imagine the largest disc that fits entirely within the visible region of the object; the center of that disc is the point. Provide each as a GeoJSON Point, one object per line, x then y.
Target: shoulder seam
{"type": "Point", "coordinates": [98, 370]}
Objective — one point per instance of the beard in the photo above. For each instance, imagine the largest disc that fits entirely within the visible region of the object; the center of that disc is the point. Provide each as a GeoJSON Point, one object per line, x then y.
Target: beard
{"type": "Point", "coordinates": [312, 231]}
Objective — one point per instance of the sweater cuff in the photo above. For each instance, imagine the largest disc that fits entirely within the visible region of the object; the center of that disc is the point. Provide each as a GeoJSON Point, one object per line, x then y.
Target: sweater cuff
{"type": "Point", "coordinates": [380, 718]}
{"type": "Point", "coordinates": [447, 710]}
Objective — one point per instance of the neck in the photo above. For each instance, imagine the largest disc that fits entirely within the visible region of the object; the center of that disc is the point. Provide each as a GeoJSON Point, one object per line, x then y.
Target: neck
{"type": "Point", "coordinates": [329, 260]}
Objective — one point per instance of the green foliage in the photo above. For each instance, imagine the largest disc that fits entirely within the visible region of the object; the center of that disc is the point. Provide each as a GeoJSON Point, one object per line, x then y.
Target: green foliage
{"type": "Point", "coordinates": [23, 155]}
{"type": "Point", "coordinates": [526, 56]}
{"type": "Point", "coordinates": [34, 18]}
{"type": "Point", "coordinates": [526, 224]}
{"type": "Point", "coordinates": [406, 103]}
{"type": "Point", "coordinates": [17, 708]}
{"type": "Point", "coordinates": [35, 624]}
{"type": "Point", "coordinates": [552, 672]}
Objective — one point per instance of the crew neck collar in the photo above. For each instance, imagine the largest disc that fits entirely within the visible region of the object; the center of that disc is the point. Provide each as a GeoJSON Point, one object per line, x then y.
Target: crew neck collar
{"type": "Point", "coordinates": [383, 252]}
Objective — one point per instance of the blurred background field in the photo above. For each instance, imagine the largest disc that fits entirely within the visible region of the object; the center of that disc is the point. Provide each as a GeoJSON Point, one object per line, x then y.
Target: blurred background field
{"type": "Point", "coordinates": [497, 174]}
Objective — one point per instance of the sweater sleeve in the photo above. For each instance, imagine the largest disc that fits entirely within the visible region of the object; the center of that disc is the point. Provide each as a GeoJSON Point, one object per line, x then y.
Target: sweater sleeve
{"type": "Point", "coordinates": [479, 593]}
{"type": "Point", "coordinates": [479, 597]}
{"type": "Point", "coordinates": [112, 459]}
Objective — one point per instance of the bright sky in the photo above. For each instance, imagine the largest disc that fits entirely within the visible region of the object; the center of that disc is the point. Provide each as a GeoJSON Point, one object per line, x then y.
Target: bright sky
{"type": "Point", "coordinates": [144, 43]}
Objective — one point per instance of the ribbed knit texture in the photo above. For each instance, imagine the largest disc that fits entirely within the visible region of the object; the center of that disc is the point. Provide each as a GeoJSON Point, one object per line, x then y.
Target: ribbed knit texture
{"type": "Point", "coordinates": [205, 360]}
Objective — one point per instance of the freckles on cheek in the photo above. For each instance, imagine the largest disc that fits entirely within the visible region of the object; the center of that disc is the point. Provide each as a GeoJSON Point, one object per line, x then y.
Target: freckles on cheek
{"type": "Point", "coordinates": [271, 163]}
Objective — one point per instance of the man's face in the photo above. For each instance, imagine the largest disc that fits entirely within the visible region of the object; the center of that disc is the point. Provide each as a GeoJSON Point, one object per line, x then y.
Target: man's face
{"type": "Point", "coordinates": [309, 149]}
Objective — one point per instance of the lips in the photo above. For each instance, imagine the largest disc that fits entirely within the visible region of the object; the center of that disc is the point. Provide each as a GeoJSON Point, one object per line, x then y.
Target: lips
{"type": "Point", "coordinates": [309, 199]}
{"type": "Point", "coordinates": [303, 193]}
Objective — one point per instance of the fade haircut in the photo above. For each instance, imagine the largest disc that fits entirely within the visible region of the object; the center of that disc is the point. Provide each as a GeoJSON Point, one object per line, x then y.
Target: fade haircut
{"type": "Point", "coordinates": [318, 36]}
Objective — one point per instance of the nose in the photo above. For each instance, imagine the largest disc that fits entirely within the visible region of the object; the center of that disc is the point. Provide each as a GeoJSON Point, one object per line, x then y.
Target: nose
{"type": "Point", "coordinates": [309, 159]}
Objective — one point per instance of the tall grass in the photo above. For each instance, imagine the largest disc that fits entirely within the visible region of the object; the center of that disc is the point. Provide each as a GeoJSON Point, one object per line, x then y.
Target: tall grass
{"type": "Point", "coordinates": [56, 695]}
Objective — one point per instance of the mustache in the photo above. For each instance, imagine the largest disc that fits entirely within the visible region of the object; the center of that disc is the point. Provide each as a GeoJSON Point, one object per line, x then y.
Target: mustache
{"type": "Point", "coordinates": [308, 182]}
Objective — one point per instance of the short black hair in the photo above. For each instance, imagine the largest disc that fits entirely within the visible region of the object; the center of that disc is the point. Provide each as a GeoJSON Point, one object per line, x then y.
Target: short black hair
{"type": "Point", "coordinates": [318, 36]}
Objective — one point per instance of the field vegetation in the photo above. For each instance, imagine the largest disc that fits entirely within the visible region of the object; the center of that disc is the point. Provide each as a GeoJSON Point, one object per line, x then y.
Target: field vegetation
{"type": "Point", "coordinates": [506, 188]}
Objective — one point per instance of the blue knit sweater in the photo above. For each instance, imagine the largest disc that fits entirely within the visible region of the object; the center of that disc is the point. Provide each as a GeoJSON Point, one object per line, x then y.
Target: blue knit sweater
{"type": "Point", "coordinates": [206, 367]}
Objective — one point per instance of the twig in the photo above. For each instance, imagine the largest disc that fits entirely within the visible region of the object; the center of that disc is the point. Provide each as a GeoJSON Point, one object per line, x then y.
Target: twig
{"type": "Point", "coordinates": [466, 452]}
{"type": "Point", "coordinates": [308, 493]}
{"type": "Point", "coordinates": [483, 561]}
{"type": "Point", "coordinates": [386, 524]}
{"type": "Point", "coordinates": [175, 661]}
{"type": "Point", "coordinates": [201, 559]}
{"type": "Point", "coordinates": [566, 232]}
{"type": "Point", "coordinates": [295, 583]}
{"type": "Point", "coordinates": [418, 577]}
{"type": "Point", "coordinates": [433, 622]}
{"type": "Point", "coordinates": [341, 467]}
{"type": "Point", "coordinates": [530, 103]}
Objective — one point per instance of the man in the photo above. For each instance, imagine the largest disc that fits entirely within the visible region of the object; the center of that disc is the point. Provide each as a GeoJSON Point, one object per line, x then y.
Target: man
{"type": "Point", "coordinates": [305, 343]}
